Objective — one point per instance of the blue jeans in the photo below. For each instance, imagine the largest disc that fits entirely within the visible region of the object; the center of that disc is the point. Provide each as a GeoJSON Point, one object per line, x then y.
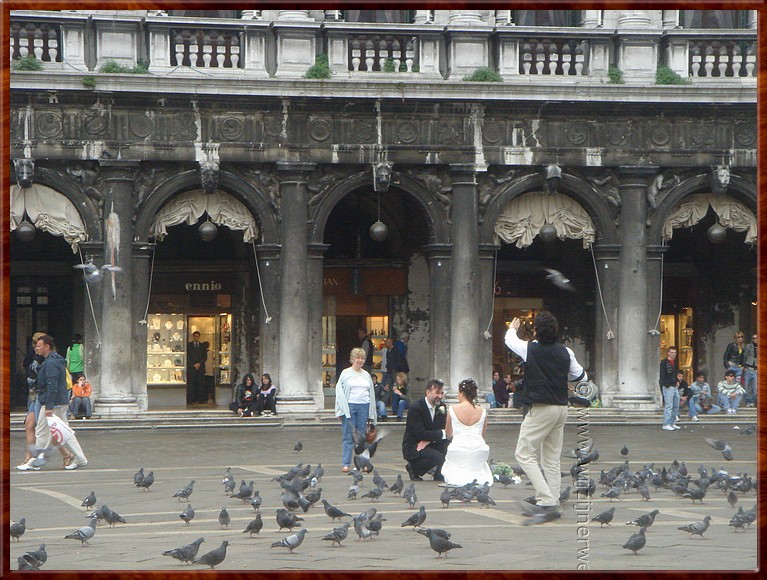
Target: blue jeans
{"type": "Point", "coordinates": [728, 403]}
{"type": "Point", "coordinates": [359, 419]}
{"type": "Point", "coordinates": [750, 384]}
{"type": "Point", "coordinates": [398, 405]}
{"type": "Point", "coordinates": [381, 408]}
{"type": "Point", "coordinates": [671, 404]}
{"type": "Point", "coordinates": [83, 403]}
{"type": "Point", "coordinates": [712, 411]}
{"type": "Point", "coordinates": [738, 370]}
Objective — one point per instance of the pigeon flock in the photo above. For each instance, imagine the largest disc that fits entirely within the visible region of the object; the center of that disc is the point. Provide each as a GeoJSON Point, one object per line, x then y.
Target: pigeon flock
{"type": "Point", "coordinates": [295, 520]}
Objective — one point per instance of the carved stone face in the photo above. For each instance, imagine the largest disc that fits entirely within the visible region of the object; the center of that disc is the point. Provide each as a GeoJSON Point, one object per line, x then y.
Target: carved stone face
{"type": "Point", "coordinates": [382, 174]}
{"type": "Point", "coordinates": [25, 171]}
{"type": "Point", "coordinates": [720, 179]}
{"type": "Point", "coordinates": [209, 176]}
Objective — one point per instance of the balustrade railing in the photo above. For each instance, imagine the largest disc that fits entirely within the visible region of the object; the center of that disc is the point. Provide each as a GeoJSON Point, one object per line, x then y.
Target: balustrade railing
{"type": "Point", "coordinates": [38, 39]}
{"type": "Point", "coordinates": [553, 56]}
{"type": "Point", "coordinates": [722, 58]}
{"type": "Point", "coordinates": [205, 48]}
{"type": "Point", "coordinates": [383, 53]}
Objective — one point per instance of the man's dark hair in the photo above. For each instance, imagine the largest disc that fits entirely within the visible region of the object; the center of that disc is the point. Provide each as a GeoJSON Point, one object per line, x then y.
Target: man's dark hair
{"type": "Point", "coordinates": [196, 332]}
{"type": "Point", "coordinates": [700, 374]}
{"type": "Point", "coordinates": [48, 339]}
{"type": "Point", "coordinates": [672, 347]}
{"type": "Point", "coordinates": [546, 327]}
{"type": "Point", "coordinates": [730, 373]}
{"type": "Point", "coordinates": [435, 384]}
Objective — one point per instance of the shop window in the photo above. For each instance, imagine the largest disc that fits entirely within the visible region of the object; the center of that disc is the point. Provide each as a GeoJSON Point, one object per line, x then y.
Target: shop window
{"type": "Point", "coordinates": [560, 18]}
{"type": "Point", "coordinates": [714, 18]}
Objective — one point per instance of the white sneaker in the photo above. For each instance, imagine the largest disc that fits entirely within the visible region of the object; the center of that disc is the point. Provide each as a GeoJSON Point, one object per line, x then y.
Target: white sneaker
{"type": "Point", "coordinates": [75, 464]}
{"type": "Point", "coordinates": [27, 466]}
{"type": "Point", "coordinates": [675, 427]}
{"type": "Point", "coordinates": [695, 419]}
{"type": "Point", "coordinates": [668, 428]}
{"type": "Point", "coordinates": [677, 418]}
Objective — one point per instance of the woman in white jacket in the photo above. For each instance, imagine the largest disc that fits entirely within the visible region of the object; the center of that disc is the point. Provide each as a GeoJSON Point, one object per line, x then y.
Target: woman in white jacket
{"type": "Point", "coordinates": [355, 402]}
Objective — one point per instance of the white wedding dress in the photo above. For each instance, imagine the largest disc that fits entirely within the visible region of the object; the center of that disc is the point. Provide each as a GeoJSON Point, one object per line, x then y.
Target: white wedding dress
{"type": "Point", "coordinates": [467, 454]}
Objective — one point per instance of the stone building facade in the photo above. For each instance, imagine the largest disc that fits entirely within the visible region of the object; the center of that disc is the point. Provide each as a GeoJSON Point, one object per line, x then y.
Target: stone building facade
{"type": "Point", "coordinates": [237, 196]}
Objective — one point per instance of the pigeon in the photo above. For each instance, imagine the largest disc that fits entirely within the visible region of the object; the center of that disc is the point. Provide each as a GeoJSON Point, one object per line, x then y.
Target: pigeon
{"type": "Point", "coordinates": [417, 519]}
{"type": "Point", "coordinates": [338, 534]}
{"type": "Point", "coordinates": [214, 557]}
{"type": "Point", "coordinates": [333, 512]}
{"type": "Point", "coordinates": [313, 496]}
{"type": "Point", "coordinates": [227, 475]}
{"type": "Point", "coordinates": [644, 491]}
{"type": "Point", "coordinates": [605, 517]}
{"type": "Point", "coordinates": [721, 445]}
{"type": "Point", "coordinates": [411, 497]}
{"type": "Point", "coordinates": [536, 514]}
{"type": "Point", "coordinates": [286, 519]}
{"type": "Point", "coordinates": [89, 501]}
{"type": "Point", "coordinates": [438, 543]}
{"type": "Point", "coordinates": [507, 480]}
{"type": "Point", "coordinates": [37, 558]}
{"type": "Point", "coordinates": [696, 528]}
{"type": "Point", "coordinates": [379, 481]}
{"type": "Point", "coordinates": [185, 492]}
{"type": "Point", "coordinates": [23, 564]}
{"type": "Point", "coordinates": [229, 486]}
{"type": "Point", "coordinates": [624, 450]}
{"type": "Point", "coordinates": [354, 489]}
{"type": "Point", "coordinates": [254, 527]}
{"type": "Point", "coordinates": [298, 447]}
{"type": "Point", "coordinates": [397, 486]}
{"type": "Point", "coordinates": [18, 529]}
{"type": "Point", "coordinates": [83, 534]}
{"type": "Point", "coordinates": [224, 518]}
{"type": "Point", "coordinates": [111, 517]}
{"type": "Point", "coordinates": [188, 514]}
{"type": "Point", "coordinates": [645, 520]}
{"type": "Point", "coordinates": [374, 493]}
{"type": "Point", "coordinates": [360, 527]}
{"type": "Point", "coordinates": [564, 495]}
{"type": "Point", "coordinates": [292, 541]}
{"type": "Point", "coordinates": [750, 430]}
{"type": "Point", "coordinates": [485, 500]}
{"type": "Point", "coordinates": [445, 497]}
{"type": "Point", "coordinates": [589, 457]}
{"type": "Point", "coordinates": [612, 493]}
{"type": "Point", "coordinates": [147, 481]}
{"type": "Point", "coordinates": [92, 273]}
{"type": "Point", "coordinates": [636, 542]}
{"type": "Point", "coordinates": [246, 491]}
{"type": "Point", "coordinates": [376, 523]}
{"type": "Point", "coordinates": [256, 500]}
{"type": "Point", "coordinates": [559, 280]}
{"type": "Point", "coordinates": [138, 476]}
{"type": "Point", "coordinates": [732, 499]}
{"type": "Point", "coordinates": [186, 553]}
{"type": "Point", "coordinates": [694, 494]}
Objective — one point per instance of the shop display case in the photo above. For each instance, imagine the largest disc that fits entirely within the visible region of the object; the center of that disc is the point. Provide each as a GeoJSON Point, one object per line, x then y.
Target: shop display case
{"type": "Point", "coordinates": [166, 349]}
{"type": "Point", "coordinates": [677, 329]}
{"type": "Point", "coordinates": [328, 351]}
{"type": "Point", "coordinates": [225, 349]}
{"type": "Point", "coordinates": [378, 328]}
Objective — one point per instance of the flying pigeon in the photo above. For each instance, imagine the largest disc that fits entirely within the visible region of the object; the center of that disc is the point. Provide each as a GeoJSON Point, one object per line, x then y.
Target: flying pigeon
{"type": "Point", "coordinates": [147, 481]}
{"type": "Point", "coordinates": [645, 520]}
{"type": "Point", "coordinates": [254, 527]}
{"type": "Point", "coordinates": [92, 273]}
{"type": "Point", "coordinates": [721, 445]}
{"type": "Point", "coordinates": [185, 553]}
{"type": "Point", "coordinates": [292, 541]}
{"type": "Point", "coordinates": [23, 564]}
{"type": "Point", "coordinates": [188, 514]}
{"type": "Point", "coordinates": [18, 529]}
{"type": "Point", "coordinates": [559, 280]}
{"type": "Point", "coordinates": [338, 534]}
{"type": "Point", "coordinates": [214, 557]}
{"type": "Point", "coordinates": [111, 517]}
{"type": "Point", "coordinates": [83, 534]}
{"type": "Point", "coordinates": [224, 518]}
{"type": "Point", "coordinates": [624, 450]}
{"type": "Point", "coordinates": [636, 542]}
{"type": "Point", "coordinates": [37, 558]}
{"type": "Point", "coordinates": [333, 512]}
{"type": "Point", "coordinates": [185, 492]}
{"type": "Point", "coordinates": [138, 476]}
{"type": "Point", "coordinates": [438, 543]}
{"type": "Point", "coordinates": [696, 528]}
{"type": "Point", "coordinates": [536, 514]}
{"type": "Point", "coordinates": [89, 501]}
{"type": "Point", "coordinates": [298, 447]}
{"type": "Point", "coordinates": [417, 519]}
{"type": "Point", "coordinates": [605, 517]}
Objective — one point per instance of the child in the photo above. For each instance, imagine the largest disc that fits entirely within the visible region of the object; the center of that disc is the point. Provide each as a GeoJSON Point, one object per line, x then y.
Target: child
{"type": "Point", "coordinates": [730, 392]}
{"type": "Point", "coordinates": [81, 398]}
{"type": "Point", "coordinates": [701, 400]}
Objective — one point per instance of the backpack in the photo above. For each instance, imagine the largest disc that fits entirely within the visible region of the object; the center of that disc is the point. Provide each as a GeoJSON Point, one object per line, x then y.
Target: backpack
{"type": "Point", "coordinates": [68, 379]}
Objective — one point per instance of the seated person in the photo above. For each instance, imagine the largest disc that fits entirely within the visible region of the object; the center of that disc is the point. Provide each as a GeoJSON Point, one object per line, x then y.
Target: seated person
{"type": "Point", "coordinates": [243, 396]}
{"type": "Point", "coordinates": [383, 396]}
{"type": "Point", "coordinates": [701, 400]}
{"type": "Point", "coordinates": [501, 389]}
{"type": "Point", "coordinates": [400, 398]}
{"type": "Point", "coordinates": [266, 397]}
{"type": "Point", "coordinates": [81, 405]}
{"type": "Point", "coordinates": [730, 392]}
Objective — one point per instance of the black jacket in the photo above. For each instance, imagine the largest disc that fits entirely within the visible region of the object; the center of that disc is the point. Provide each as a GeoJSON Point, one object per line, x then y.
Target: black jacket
{"type": "Point", "coordinates": [668, 372]}
{"type": "Point", "coordinates": [197, 354]}
{"type": "Point", "coordinates": [420, 427]}
{"type": "Point", "coordinates": [732, 354]}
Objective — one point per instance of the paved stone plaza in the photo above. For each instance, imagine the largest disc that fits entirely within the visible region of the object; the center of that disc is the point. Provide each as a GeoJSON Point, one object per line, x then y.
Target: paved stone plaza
{"type": "Point", "coordinates": [492, 538]}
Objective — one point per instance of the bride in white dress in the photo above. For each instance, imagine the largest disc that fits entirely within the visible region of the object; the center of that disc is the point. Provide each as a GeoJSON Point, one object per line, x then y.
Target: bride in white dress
{"type": "Point", "coordinates": [467, 454]}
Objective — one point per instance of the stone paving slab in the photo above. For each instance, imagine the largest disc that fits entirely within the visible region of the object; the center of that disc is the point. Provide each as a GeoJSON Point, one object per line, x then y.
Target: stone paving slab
{"type": "Point", "coordinates": [492, 539]}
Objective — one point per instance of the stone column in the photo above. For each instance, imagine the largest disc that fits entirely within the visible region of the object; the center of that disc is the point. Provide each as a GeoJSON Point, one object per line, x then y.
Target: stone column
{"type": "Point", "coordinates": [438, 257]}
{"type": "Point", "coordinates": [142, 259]}
{"type": "Point", "coordinates": [633, 19]}
{"type": "Point", "coordinates": [117, 394]}
{"type": "Point", "coordinates": [670, 19]}
{"type": "Point", "coordinates": [293, 15]}
{"type": "Point", "coordinates": [605, 365]}
{"type": "Point", "coordinates": [634, 377]}
{"type": "Point", "coordinates": [92, 319]}
{"type": "Point", "coordinates": [592, 19]}
{"type": "Point", "coordinates": [487, 254]}
{"type": "Point", "coordinates": [269, 321]}
{"type": "Point", "coordinates": [464, 309]}
{"type": "Point", "coordinates": [315, 290]}
{"type": "Point", "coordinates": [422, 17]}
{"type": "Point", "coordinates": [503, 18]}
{"type": "Point", "coordinates": [654, 280]}
{"type": "Point", "coordinates": [294, 288]}
{"type": "Point", "coordinates": [465, 17]}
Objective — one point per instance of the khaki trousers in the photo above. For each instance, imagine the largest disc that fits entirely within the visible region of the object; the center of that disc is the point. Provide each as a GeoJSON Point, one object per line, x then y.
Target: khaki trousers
{"type": "Point", "coordinates": [539, 447]}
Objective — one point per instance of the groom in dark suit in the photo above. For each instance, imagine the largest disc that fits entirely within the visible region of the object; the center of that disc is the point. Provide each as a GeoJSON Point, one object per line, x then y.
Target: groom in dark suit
{"type": "Point", "coordinates": [424, 444]}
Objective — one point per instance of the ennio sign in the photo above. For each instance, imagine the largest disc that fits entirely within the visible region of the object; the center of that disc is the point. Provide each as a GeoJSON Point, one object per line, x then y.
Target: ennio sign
{"type": "Point", "coordinates": [211, 286]}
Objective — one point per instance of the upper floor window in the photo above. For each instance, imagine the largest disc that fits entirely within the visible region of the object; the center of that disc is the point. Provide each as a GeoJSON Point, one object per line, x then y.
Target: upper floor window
{"type": "Point", "coordinates": [381, 16]}
{"type": "Point", "coordinates": [714, 18]}
{"type": "Point", "coordinates": [547, 17]}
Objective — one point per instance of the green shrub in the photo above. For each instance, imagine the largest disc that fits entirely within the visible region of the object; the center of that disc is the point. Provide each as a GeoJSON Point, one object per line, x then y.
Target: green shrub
{"type": "Point", "coordinates": [615, 75]}
{"type": "Point", "coordinates": [501, 469]}
{"type": "Point", "coordinates": [111, 66]}
{"type": "Point", "coordinates": [415, 68]}
{"type": "Point", "coordinates": [484, 75]}
{"type": "Point", "coordinates": [388, 66]}
{"type": "Point", "coordinates": [28, 62]}
{"type": "Point", "coordinates": [89, 82]}
{"type": "Point", "coordinates": [665, 76]}
{"type": "Point", "coordinates": [320, 69]}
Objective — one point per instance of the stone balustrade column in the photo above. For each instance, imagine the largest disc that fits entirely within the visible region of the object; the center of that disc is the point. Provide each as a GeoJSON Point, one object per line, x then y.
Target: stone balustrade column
{"type": "Point", "coordinates": [294, 287]}
{"type": "Point", "coordinates": [293, 15]}
{"type": "Point", "coordinates": [633, 19]}
{"type": "Point", "coordinates": [592, 19]}
{"type": "Point", "coordinates": [465, 17]}
{"type": "Point", "coordinates": [670, 19]}
{"type": "Point", "coordinates": [465, 304]}
{"type": "Point", "coordinates": [118, 321]}
{"type": "Point", "coordinates": [635, 379]}
{"type": "Point", "coordinates": [438, 258]}
{"type": "Point", "coordinates": [422, 17]}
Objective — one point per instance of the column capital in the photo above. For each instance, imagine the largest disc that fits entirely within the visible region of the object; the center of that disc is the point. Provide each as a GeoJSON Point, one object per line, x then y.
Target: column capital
{"type": "Point", "coordinates": [637, 171]}
{"type": "Point", "coordinates": [466, 169]}
{"type": "Point", "coordinates": [655, 251]}
{"type": "Point", "coordinates": [488, 250]}
{"type": "Point", "coordinates": [317, 250]}
{"type": "Point", "coordinates": [295, 167]}
{"type": "Point", "coordinates": [437, 251]}
{"type": "Point", "coordinates": [118, 168]}
{"type": "Point", "coordinates": [268, 251]}
{"type": "Point", "coordinates": [606, 251]}
{"type": "Point", "coordinates": [143, 249]}
{"type": "Point", "coordinates": [92, 248]}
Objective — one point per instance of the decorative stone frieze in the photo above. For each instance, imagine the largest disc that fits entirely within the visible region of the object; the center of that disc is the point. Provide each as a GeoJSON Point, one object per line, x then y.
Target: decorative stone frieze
{"type": "Point", "coordinates": [25, 172]}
